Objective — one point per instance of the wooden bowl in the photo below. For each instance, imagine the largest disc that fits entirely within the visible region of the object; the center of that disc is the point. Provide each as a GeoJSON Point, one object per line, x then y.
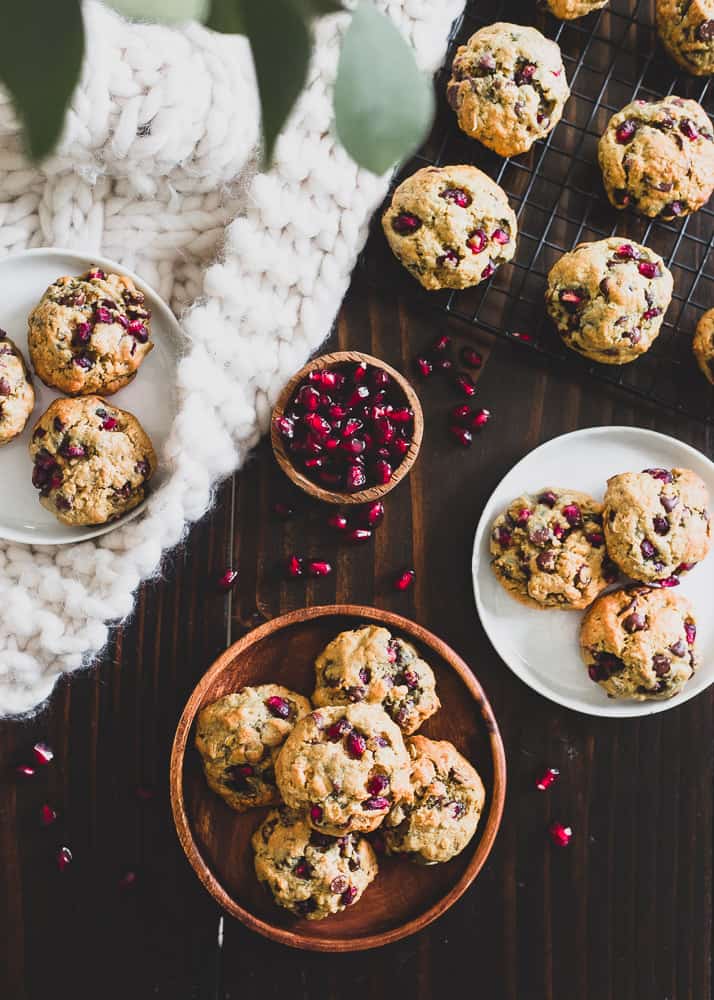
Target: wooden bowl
{"type": "Point", "coordinates": [405, 896]}
{"type": "Point", "coordinates": [313, 489]}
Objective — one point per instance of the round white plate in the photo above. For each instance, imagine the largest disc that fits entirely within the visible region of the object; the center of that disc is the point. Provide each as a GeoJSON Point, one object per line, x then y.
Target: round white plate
{"type": "Point", "coordinates": [151, 397]}
{"type": "Point", "coordinates": [541, 647]}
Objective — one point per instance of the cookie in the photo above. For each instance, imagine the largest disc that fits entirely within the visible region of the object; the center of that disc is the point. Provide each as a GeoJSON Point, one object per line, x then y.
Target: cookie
{"type": "Point", "coordinates": [17, 397]}
{"type": "Point", "coordinates": [639, 643]}
{"type": "Point", "coordinates": [346, 766]}
{"type": "Point", "coordinates": [566, 10]}
{"type": "Point", "coordinates": [508, 87]}
{"type": "Point", "coordinates": [549, 550]}
{"type": "Point", "coordinates": [368, 665]}
{"type": "Point", "coordinates": [657, 157]}
{"type": "Point", "coordinates": [239, 738]}
{"type": "Point", "coordinates": [450, 227]}
{"type": "Point", "coordinates": [608, 299]}
{"type": "Point", "coordinates": [440, 816]}
{"type": "Point", "coordinates": [703, 344]}
{"type": "Point", "coordinates": [92, 461]}
{"type": "Point", "coordinates": [309, 873]}
{"type": "Point", "coordinates": [89, 334]}
{"type": "Point", "coordinates": [686, 29]}
{"type": "Point", "coordinates": [656, 522]}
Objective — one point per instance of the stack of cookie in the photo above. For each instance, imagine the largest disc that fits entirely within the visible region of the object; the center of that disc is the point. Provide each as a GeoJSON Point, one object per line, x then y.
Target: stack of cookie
{"type": "Point", "coordinates": [562, 549]}
{"type": "Point", "coordinates": [452, 226]}
{"type": "Point", "coordinates": [87, 338]}
{"type": "Point", "coordinates": [346, 773]}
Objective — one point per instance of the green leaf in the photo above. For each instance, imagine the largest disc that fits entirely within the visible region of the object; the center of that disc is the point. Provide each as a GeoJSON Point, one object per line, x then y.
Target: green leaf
{"type": "Point", "coordinates": [384, 104]}
{"type": "Point", "coordinates": [41, 52]}
{"type": "Point", "coordinates": [226, 16]}
{"type": "Point", "coordinates": [163, 10]}
{"type": "Point", "coordinates": [280, 41]}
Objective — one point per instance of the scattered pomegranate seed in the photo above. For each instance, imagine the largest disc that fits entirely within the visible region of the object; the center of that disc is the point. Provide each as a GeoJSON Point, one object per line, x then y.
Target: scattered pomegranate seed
{"type": "Point", "coordinates": [424, 367]}
{"type": "Point", "coordinates": [25, 771]}
{"type": "Point", "coordinates": [295, 566]}
{"type": "Point", "coordinates": [525, 337]}
{"type": "Point", "coordinates": [441, 343]}
{"type": "Point", "coordinates": [42, 753]}
{"type": "Point", "coordinates": [405, 579]}
{"type": "Point", "coordinates": [560, 834]}
{"type": "Point", "coordinates": [481, 417]}
{"type": "Point", "coordinates": [549, 777]}
{"type": "Point", "coordinates": [466, 384]}
{"type": "Point", "coordinates": [318, 567]}
{"type": "Point", "coordinates": [47, 815]}
{"type": "Point", "coordinates": [63, 858]}
{"type": "Point", "coordinates": [283, 510]}
{"type": "Point", "coordinates": [372, 515]}
{"type": "Point", "coordinates": [337, 521]}
{"type": "Point", "coordinates": [128, 880]}
{"type": "Point", "coordinates": [461, 413]}
{"type": "Point", "coordinates": [228, 580]}
{"type": "Point", "coordinates": [462, 435]}
{"type": "Point", "coordinates": [358, 536]}
{"type": "Point", "coordinates": [470, 357]}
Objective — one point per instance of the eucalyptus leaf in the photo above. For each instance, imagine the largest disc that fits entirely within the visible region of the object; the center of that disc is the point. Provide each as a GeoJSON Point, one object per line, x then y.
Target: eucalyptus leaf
{"type": "Point", "coordinates": [163, 10]}
{"type": "Point", "coordinates": [384, 104]}
{"type": "Point", "coordinates": [41, 52]}
{"type": "Point", "coordinates": [226, 16]}
{"type": "Point", "coordinates": [280, 41]}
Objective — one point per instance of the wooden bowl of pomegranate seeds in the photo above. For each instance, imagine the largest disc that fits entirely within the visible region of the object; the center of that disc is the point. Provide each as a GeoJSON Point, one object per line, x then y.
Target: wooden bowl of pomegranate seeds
{"type": "Point", "coordinates": [404, 897]}
{"type": "Point", "coordinates": [347, 428]}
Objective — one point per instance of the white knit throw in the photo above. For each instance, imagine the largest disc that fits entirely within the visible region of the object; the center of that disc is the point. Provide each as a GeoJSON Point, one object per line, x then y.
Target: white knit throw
{"type": "Point", "coordinates": [157, 157]}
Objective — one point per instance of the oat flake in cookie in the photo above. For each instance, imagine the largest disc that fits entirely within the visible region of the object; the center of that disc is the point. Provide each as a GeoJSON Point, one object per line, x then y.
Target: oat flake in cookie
{"type": "Point", "coordinates": [309, 873]}
{"type": "Point", "coordinates": [566, 10]}
{"type": "Point", "coordinates": [639, 643]}
{"type": "Point", "coordinates": [703, 344]}
{"type": "Point", "coordinates": [92, 461]}
{"type": "Point", "coordinates": [90, 334]}
{"type": "Point", "coordinates": [686, 28]}
{"type": "Point", "coordinates": [450, 227]}
{"type": "Point", "coordinates": [657, 157]}
{"type": "Point", "coordinates": [368, 665]}
{"type": "Point", "coordinates": [508, 87]}
{"type": "Point", "coordinates": [346, 766]}
{"type": "Point", "coordinates": [239, 738]}
{"type": "Point", "coordinates": [440, 816]}
{"type": "Point", "coordinates": [17, 397]}
{"type": "Point", "coordinates": [608, 299]}
{"type": "Point", "coordinates": [656, 523]}
{"type": "Point", "coordinates": [549, 550]}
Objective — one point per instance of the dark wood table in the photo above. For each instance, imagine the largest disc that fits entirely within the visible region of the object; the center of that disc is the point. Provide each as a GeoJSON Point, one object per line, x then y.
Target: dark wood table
{"type": "Point", "coordinates": [623, 914]}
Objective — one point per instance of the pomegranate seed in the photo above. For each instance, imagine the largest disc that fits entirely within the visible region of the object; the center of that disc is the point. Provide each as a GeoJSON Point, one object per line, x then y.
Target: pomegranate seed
{"type": "Point", "coordinates": [549, 776]}
{"type": "Point", "coordinates": [648, 269]}
{"type": "Point", "coordinates": [295, 566]}
{"type": "Point", "coordinates": [356, 745]}
{"type": "Point", "coordinates": [503, 537]}
{"type": "Point", "coordinates": [570, 298]}
{"type": "Point", "coordinates": [316, 814]}
{"type": "Point", "coordinates": [671, 581]}
{"type": "Point", "coordinates": [337, 521]}
{"type": "Point", "coordinates": [405, 223]}
{"type": "Point", "coordinates": [441, 343]}
{"type": "Point", "coordinates": [278, 707]}
{"type": "Point", "coordinates": [685, 567]}
{"type": "Point", "coordinates": [337, 730]}
{"type": "Point", "coordinates": [349, 895]}
{"type": "Point", "coordinates": [285, 427]}
{"type": "Point", "coordinates": [402, 415]}
{"type": "Point", "coordinates": [356, 478]}
{"type": "Point", "coordinates": [688, 129]}
{"type": "Point", "coordinates": [283, 510]}
{"type": "Point", "coordinates": [63, 858]}
{"type": "Point", "coordinates": [372, 515]}
{"type": "Point", "coordinates": [470, 357]}
{"type": "Point", "coordinates": [405, 580]}
{"type": "Point", "coordinates": [488, 270]}
{"type": "Point", "coordinates": [571, 513]}
{"type": "Point", "coordinates": [465, 383]}
{"type": "Point", "coordinates": [647, 548]}
{"type": "Point", "coordinates": [523, 515]}
{"type": "Point", "coordinates": [382, 472]}
{"type": "Point", "coordinates": [480, 418]}
{"type": "Point", "coordinates": [309, 397]}
{"type": "Point", "coordinates": [560, 834]}
{"type": "Point", "coordinates": [384, 430]}
{"type": "Point", "coordinates": [358, 536]}
{"type": "Point", "coordinates": [651, 313]}
{"type": "Point", "coordinates": [42, 753]}
{"type": "Point", "coordinates": [525, 74]}
{"type": "Point", "coordinates": [377, 784]}
{"type": "Point", "coordinates": [110, 424]}
{"type": "Point", "coordinates": [596, 539]}
{"type": "Point", "coordinates": [626, 252]}
{"type": "Point", "coordinates": [228, 580]}
{"type": "Point", "coordinates": [525, 337]}
{"type": "Point", "coordinates": [461, 413]}
{"type": "Point", "coordinates": [399, 448]}
{"type": "Point", "coordinates": [359, 373]}
{"type": "Point", "coordinates": [318, 567]}
{"type": "Point", "coordinates": [477, 241]}
{"type": "Point", "coordinates": [457, 196]}
{"type": "Point", "coordinates": [501, 236]}
{"type": "Point", "coordinates": [462, 435]}
{"type": "Point", "coordinates": [625, 131]}
{"type": "Point", "coordinates": [424, 367]}
{"type": "Point", "coordinates": [450, 257]}
{"type": "Point", "coordinates": [662, 474]}
{"type": "Point", "coordinates": [548, 498]}
{"type": "Point", "coordinates": [47, 815]}
{"type": "Point", "coordinates": [96, 275]}
{"type": "Point", "coordinates": [127, 881]}
{"type": "Point", "coordinates": [690, 630]}
{"type": "Point", "coordinates": [380, 379]}
{"type": "Point", "coordinates": [25, 771]}
{"type": "Point", "coordinates": [375, 802]}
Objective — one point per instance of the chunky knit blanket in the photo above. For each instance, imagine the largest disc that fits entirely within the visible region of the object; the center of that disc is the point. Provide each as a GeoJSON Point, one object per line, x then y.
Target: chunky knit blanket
{"type": "Point", "coordinates": [158, 156]}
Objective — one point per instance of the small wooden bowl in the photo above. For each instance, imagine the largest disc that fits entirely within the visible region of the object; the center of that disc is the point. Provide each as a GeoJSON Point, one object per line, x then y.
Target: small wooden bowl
{"type": "Point", "coordinates": [405, 896]}
{"type": "Point", "coordinates": [306, 484]}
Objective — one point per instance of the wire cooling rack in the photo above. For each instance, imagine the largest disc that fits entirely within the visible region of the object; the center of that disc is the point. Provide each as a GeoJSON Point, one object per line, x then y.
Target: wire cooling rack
{"type": "Point", "coordinates": [611, 57]}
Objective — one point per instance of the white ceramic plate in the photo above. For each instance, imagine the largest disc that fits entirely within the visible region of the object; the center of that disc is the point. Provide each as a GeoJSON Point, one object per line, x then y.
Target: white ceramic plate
{"type": "Point", "coordinates": [541, 647]}
{"type": "Point", "coordinates": [151, 397]}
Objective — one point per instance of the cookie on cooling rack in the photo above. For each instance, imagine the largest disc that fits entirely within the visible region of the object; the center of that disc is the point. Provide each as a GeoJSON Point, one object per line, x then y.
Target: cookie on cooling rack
{"type": "Point", "coordinates": [508, 87]}
{"type": "Point", "coordinates": [17, 397]}
{"type": "Point", "coordinates": [703, 344]}
{"type": "Point", "coordinates": [608, 299]}
{"type": "Point", "coordinates": [686, 28]}
{"type": "Point", "coordinates": [566, 10]}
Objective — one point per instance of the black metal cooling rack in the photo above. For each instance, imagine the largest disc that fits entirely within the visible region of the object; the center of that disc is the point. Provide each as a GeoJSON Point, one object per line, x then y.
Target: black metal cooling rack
{"type": "Point", "coordinates": [611, 57]}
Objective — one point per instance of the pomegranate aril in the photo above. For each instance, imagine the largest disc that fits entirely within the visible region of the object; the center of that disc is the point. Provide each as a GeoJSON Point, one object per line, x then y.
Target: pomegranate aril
{"type": "Point", "coordinates": [571, 513]}
{"type": "Point", "coordinates": [278, 707]}
{"type": "Point", "coordinates": [384, 430]}
{"type": "Point", "coordinates": [402, 415]}
{"type": "Point", "coordinates": [559, 834]}
{"type": "Point", "coordinates": [353, 446]}
{"type": "Point", "coordinates": [316, 814]}
{"type": "Point", "coordinates": [442, 365]}
{"type": "Point", "coordinates": [501, 236]}
{"type": "Point", "coordinates": [42, 753]}
{"type": "Point", "coordinates": [317, 425]}
{"type": "Point", "coordinates": [285, 427]}
{"type": "Point", "coordinates": [405, 223]}
{"type": "Point", "coordinates": [480, 418]}
{"type": "Point", "coordinates": [382, 472]}
{"type": "Point", "coordinates": [63, 858]}
{"type": "Point", "coordinates": [349, 895]}
{"type": "Point", "coordinates": [25, 771]}
{"type": "Point", "coordinates": [525, 73]}
{"type": "Point", "coordinates": [318, 567]}
{"type": "Point", "coordinates": [477, 241]}
{"type": "Point", "coordinates": [309, 398]}
{"type": "Point", "coordinates": [462, 435]}
{"type": "Point", "coordinates": [647, 269]}
{"type": "Point", "coordinates": [466, 384]}
{"type": "Point", "coordinates": [356, 478]}
{"type": "Point", "coordinates": [525, 337]}
{"type": "Point", "coordinates": [295, 566]}
{"type": "Point", "coordinates": [625, 131]}
{"type": "Point", "coordinates": [358, 536]}
{"type": "Point", "coordinates": [442, 342]}
{"type": "Point", "coordinates": [688, 129]}
{"type": "Point", "coordinates": [547, 778]}
{"type": "Point", "coordinates": [461, 413]}
{"type": "Point", "coordinates": [128, 881]}
{"type": "Point", "coordinates": [596, 539]}
{"type": "Point", "coordinates": [48, 815]}
{"type": "Point", "coordinates": [690, 630]}
{"type": "Point", "coordinates": [424, 367]}
{"type": "Point", "coordinates": [375, 802]}
{"type": "Point", "coordinates": [337, 521]}
{"type": "Point", "coordinates": [228, 580]}
{"type": "Point", "coordinates": [372, 515]}
{"type": "Point", "coordinates": [404, 580]}
{"type": "Point", "coordinates": [456, 196]}
{"type": "Point", "coordinates": [356, 745]}
{"type": "Point", "coordinates": [470, 357]}
{"type": "Point", "coordinates": [337, 730]}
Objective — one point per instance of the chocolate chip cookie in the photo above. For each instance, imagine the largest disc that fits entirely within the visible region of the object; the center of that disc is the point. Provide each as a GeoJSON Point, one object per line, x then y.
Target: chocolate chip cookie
{"type": "Point", "coordinates": [703, 344]}
{"type": "Point", "coordinates": [309, 873]}
{"type": "Point", "coordinates": [549, 550]}
{"type": "Point", "coordinates": [17, 397]}
{"type": "Point", "coordinates": [346, 766]}
{"type": "Point", "coordinates": [369, 665]}
{"type": "Point", "coordinates": [440, 816]}
{"type": "Point", "coordinates": [566, 10]}
{"type": "Point", "coordinates": [508, 87]}
{"type": "Point", "coordinates": [686, 28]}
{"type": "Point", "coordinates": [239, 738]}
{"type": "Point", "coordinates": [608, 299]}
{"type": "Point", "coordinates": [90, 334]}
{"type": "Point", "coordinates": [450, 227]}
{"type": "Point", "coordinates": [639, 643]}
{"type": "Point", "coordinates": [92, 461]}
{"type": "Point", "coordinates": [657, 157]}
{"type": "Point", "coordinates": [656, 523]}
